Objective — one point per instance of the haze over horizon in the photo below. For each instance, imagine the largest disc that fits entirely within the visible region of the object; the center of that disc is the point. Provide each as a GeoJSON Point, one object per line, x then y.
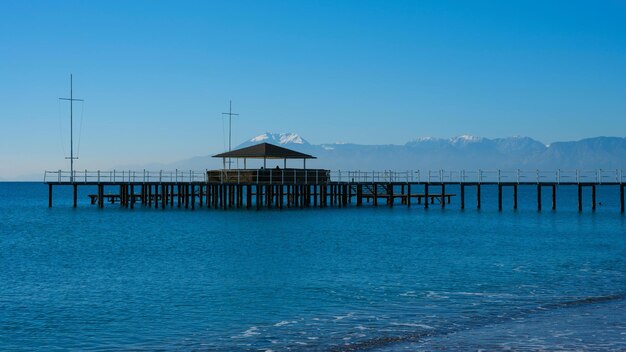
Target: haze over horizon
{"type": "Point", "coordinates": [157, 76]}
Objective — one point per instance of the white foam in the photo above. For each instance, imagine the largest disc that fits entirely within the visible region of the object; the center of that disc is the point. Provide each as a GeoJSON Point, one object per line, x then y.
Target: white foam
{"type": "Point", "coordinates": [252, 331]}
{"type": "Point", "coordinates": [285, 322]}
{"type": "Point", "coordinates": [414, 325]}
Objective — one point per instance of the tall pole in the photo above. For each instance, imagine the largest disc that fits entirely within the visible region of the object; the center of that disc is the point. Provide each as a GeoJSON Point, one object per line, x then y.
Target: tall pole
{"type": "Point", "coordinates": [71, 99]}
{"type": "Point", "coordinates": [230, 125]}
{"type": "Point", "coordinates": [71, 128]}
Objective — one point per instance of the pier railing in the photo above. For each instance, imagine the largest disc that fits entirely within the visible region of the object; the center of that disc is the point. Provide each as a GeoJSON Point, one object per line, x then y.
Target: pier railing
{"type": "Point", "coordinates": [117, 176]}
{"type": "Point", "coordinates": [322, 176]}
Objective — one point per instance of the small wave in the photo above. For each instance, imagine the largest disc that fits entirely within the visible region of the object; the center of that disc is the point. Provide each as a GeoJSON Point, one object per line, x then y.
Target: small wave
{"type": "Point", "coordinates": [586, 300]}
{"type": "Point", "coordinates": [341, 317]}
{"type": "Point", "coordinates": [414, 325]}
{"type": "Point", "coordinates": [252, 331]}
{"type": "Point", "coordinates": [422, 333]}
{"type": "Point", "coordinates": [285, 322]}
{"type": "Point", "coordinates": [436, 295]}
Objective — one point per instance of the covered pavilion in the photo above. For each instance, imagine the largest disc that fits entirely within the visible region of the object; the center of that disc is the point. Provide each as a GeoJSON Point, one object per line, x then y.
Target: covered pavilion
{"type": "Point", "coordinates": [264, 151]}
{"type": "Point", "coordinates": [264, 175]}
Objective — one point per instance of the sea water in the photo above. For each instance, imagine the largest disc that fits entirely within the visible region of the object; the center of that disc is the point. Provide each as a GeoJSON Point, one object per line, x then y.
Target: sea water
{"type": "Point", "coordinates": [381, 279]}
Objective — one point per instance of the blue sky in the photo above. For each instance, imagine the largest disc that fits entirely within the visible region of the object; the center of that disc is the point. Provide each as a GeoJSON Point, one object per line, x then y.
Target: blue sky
{"type": "Point", "coordinates": [156, 75]}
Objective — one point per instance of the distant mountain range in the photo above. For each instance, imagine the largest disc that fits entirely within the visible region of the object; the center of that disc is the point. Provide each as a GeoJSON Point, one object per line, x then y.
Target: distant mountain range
{"type": "Point", "coordinates": [462, 152]}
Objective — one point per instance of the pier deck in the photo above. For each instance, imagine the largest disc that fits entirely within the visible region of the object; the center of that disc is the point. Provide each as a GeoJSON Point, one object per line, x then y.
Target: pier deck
{"type": "Point", "coordinates": [321, 188]}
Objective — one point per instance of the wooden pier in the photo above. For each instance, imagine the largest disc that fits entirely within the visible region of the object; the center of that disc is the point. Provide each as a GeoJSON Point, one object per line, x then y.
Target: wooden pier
{"type": "Point", "coordinates": [298, 188]}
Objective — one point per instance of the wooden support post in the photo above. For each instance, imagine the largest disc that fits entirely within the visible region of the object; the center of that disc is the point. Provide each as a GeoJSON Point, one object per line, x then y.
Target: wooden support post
{"type": "Point", "coordinates": [554, 197]}
{"type": "Point", "coordinates": [408, 195]}
{"type": "Point", "coordinates": [315, 195]}
{"type": "Point", "coordinates": [580, 197]}
{"type": "Point", "coordinates": [193, 196]}
{"type": "Point", "coordinates": [593, 197]}
{"type": "Point", "coordinates": [132, 196]}
{"type": "Point", "coordinates": [443, 195]}
{"type": "Point", "coordinates": [219, 196]}
{"type": "Point", "coordinates": [156, 196]}
{"type": "Point", "coordinates": [390, 199]}
{"type": "Point", "coordinates": [248, 196]}
{"type": "Point", "coordinates": [426, 199]}
{"type": "Point", "coordinates": [216, 196]}
{"type": "Point", "coordinates": [349, 188]}
{"type": "Point", "coordinates": [478, 196]}
{"type": "Point", "coordinates": [75, 189]}
{"type": "Point", "coordinates": [224, 196]}
{"type": "Point", "coordinates": [258, 196]}
{"type": "Point", "coordinates": [499, 197]}
{"type": "Point", "coordinates": [514, 196]}
{"type": "Point", "coordinates": [241, 193]}
{"type": "Point", "coordinates": [209, 195]}
{"type": "Point", "coordinates": [200, 195]}
{"type": "Point", "coordinates": [49, 195]}
{"type": "Point", "coordinates": [621, 197]}
{"type": "Point", "coordinates": [462, 196]}
{"type": "Point", "coordinates": [163, 195]}
{"type": "Point", "coordinates": [375, 187]}
{"type": "Point", "coordinates": [539, 197]}
{"type": "Point", "coordinates": [186, 195]}
{"type": "Point", "coordinates": [100, 195]}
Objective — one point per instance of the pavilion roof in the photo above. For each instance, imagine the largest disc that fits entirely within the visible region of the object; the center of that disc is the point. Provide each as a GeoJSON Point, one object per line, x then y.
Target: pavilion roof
{"type": "Point", "coordinates": [264, 151]}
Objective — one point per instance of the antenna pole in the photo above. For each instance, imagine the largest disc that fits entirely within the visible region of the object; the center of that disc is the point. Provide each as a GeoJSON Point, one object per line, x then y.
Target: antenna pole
{"type": "Point", "coordinates": [71, 99]}
{"type": "Point", "coordinates": [71, 128]}
{"type": "Point", "coordinates": [230, 125]}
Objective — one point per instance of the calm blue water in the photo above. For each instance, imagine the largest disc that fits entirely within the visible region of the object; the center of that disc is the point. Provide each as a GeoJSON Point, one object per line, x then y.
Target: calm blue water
{"type": "Point", "coordinates": [331, 279]}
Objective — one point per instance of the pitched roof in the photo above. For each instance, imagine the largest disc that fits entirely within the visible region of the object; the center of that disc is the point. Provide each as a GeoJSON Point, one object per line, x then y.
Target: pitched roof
{"type": "Point", "coordinates": [264, 150]}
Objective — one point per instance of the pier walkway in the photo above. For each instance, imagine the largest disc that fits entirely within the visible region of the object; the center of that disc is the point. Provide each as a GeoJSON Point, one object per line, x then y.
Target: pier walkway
{"type": "Point", "coordinates": [257, 188]}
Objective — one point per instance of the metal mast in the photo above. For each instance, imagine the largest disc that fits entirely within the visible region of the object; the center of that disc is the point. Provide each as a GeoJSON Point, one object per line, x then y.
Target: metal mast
{"type": "Point", "coordinates": [230, 125]}
{"type": "Point", "coordinates": [71, 99]}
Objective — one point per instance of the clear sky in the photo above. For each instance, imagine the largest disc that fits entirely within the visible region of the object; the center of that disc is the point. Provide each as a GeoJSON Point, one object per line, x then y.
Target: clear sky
{"type": "Point", "coordinates": [156, 75]}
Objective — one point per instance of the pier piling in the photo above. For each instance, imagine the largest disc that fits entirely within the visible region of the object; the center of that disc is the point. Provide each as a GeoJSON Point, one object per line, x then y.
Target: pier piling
{"type": "Point", "coordinates": [580, 197]}
{"type": "Point", "coordinates": [443, 195]}
{"type": "Point", "coordinates": [539, 197]}
{"type": "Point", "coordinates": [593, 197]}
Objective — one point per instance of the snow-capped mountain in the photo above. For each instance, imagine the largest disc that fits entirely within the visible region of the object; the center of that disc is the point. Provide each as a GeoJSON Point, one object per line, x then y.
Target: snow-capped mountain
{"type": "Point", "coordinates": [461, 152]}
{"type": "Point", "coordinates": [275, 138]}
